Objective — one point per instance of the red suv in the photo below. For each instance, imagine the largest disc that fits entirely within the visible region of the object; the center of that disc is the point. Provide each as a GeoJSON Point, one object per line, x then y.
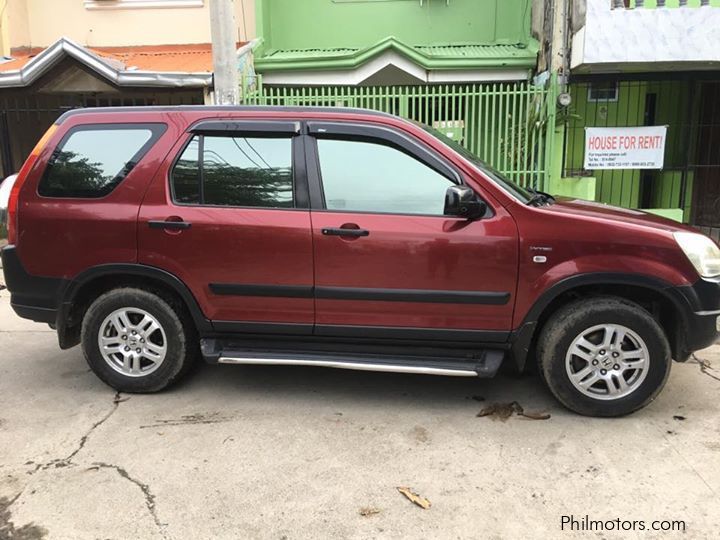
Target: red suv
{"type": "Point", "coordinates": [341, 238]}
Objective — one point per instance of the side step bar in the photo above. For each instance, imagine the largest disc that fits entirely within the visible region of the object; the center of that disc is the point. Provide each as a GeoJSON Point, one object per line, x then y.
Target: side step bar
{"type": "Point", "coordinates": [485, 364]}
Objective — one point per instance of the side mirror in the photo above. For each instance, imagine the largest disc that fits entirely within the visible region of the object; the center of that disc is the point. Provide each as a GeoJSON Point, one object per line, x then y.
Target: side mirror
{"type": "Point", "coordinates": [461, 201]}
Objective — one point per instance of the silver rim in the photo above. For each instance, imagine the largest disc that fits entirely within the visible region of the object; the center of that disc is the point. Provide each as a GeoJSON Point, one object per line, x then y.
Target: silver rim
{"type": "Point", "coordinates": [132, 342]}
{"type": "Point", "coordinates": [607, 361]}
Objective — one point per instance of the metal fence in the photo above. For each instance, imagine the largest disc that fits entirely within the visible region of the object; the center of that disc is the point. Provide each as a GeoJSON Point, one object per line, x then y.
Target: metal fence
{"type": "Point", "coordinates": [507, 125]}
{"type": "Point", "coordinates": [25, 114]}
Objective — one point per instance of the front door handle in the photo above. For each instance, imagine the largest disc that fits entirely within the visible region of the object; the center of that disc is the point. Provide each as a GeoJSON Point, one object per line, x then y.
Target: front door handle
{"type": "Point", "coordinates": [174, 225]}
{"type": "Point", "coordinates": [353, 233]}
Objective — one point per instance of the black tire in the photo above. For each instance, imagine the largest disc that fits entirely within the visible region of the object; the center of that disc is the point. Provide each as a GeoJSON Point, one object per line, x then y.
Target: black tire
{"type": "Point", "coordinates": [181, 340]}
{"type": "Point", "coordinates": [569, 322]}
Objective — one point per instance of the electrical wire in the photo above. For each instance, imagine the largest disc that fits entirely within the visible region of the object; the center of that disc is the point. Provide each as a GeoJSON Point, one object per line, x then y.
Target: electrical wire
{"type": "Point", "coordinates": [244, 153]}
{"type": "Point", "coordinates": [258, 153]}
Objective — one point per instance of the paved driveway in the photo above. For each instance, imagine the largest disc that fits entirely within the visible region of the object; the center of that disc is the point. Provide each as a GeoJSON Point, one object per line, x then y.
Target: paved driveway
{"type": "Point", "coordinates": [259, 452]}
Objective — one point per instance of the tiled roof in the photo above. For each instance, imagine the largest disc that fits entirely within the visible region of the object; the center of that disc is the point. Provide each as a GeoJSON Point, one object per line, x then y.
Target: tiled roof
{"type": "Point", "coordinates": [193, 58]}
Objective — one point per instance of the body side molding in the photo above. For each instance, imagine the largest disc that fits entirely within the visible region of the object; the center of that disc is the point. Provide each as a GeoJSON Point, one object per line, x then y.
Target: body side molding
{"type": "Point", "coordinates": [493, 298]}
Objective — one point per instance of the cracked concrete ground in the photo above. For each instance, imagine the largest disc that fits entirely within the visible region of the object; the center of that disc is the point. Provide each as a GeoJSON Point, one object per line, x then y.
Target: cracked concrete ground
{"type": "Point", "coordinates": [260, 452]}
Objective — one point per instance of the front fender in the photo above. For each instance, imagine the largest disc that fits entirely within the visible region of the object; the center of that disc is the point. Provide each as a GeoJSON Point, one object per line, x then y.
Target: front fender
{"type": "Point", "coordinates": [522, 336]}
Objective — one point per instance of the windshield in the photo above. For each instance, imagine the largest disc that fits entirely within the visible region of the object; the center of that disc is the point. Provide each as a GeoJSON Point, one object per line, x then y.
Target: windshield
{"type": "Point", "coordinates": [496, 176]}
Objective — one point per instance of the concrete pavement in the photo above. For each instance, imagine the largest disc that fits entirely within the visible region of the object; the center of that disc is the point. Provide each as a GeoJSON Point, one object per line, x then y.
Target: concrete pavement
{"type": "Point", "coordinates": [260, 452]}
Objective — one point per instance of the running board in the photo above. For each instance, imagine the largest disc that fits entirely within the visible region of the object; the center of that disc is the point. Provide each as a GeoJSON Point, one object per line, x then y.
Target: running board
{"type": "Point", "coordinates": [485, 364]}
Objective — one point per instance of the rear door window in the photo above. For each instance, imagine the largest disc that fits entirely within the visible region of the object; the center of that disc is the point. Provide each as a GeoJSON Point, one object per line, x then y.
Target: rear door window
{"type": "Point", "coordinates": [238, 171]}
{"type": "Point", "coordinates": [91, 161]}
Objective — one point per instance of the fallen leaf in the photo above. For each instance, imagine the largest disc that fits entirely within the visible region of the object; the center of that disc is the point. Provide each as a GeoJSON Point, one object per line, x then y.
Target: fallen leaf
{"type": "Point", "coordinates": [678, 417]}
{"type": "Point", "coordinates": [705, 367]}
{"type": "Point", "coordinates": [369, 511]}
{"type": "Point", "coordinates": [413, 497]}
{"type": "Point", "coordinates": [503, 411]}
{"type": "Point", "coordinates": [536, 415]}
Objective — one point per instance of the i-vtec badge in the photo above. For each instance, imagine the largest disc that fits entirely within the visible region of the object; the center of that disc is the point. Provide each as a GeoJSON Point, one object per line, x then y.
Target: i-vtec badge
{"type": "Point", "coordinates": [540, 259]}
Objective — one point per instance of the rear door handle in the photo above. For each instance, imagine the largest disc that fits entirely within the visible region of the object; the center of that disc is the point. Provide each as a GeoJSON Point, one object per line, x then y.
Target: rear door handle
{"type": "Point", "coordinates": [175, 225]}
{"type": "Point", "coordinates": [355, 233]}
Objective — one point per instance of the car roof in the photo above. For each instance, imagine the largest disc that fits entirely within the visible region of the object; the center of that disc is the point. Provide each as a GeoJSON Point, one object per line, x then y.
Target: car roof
{"type": "Point", "coordinates": [224, 109]}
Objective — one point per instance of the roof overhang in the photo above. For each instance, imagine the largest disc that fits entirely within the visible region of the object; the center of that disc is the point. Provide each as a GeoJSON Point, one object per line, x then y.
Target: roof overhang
{"type": "Point", "coordinates": [451, 63]}
{"type": "Point", "coordinates": [109, 69]}
{"type": "Point", "coordinates": [373, 71]}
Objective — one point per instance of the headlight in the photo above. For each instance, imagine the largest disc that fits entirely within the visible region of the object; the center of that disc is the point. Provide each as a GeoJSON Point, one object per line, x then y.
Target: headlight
{"type": "Point", "coordinates": [702, 252]}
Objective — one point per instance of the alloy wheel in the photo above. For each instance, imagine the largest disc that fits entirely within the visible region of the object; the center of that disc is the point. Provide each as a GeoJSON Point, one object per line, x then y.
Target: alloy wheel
{"type": "Point", "coordinates": [607, 361]}
{"type": "Point", "coordinates": [132, 342]}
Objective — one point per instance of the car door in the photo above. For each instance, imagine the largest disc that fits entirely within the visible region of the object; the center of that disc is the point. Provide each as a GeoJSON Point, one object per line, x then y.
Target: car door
{"type": "Point", "coordinates": [229, 216]}
{"type": "Point", "coordinates": [388, 263]}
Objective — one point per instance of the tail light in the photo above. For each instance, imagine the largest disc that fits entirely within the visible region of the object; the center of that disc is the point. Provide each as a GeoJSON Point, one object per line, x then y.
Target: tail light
{"type": "Point", "coordinates": [13, 200]}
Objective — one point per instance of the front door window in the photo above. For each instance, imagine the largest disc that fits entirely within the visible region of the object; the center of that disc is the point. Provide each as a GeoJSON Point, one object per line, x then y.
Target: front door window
{"type": "Point", "coordinates": [360, 176]}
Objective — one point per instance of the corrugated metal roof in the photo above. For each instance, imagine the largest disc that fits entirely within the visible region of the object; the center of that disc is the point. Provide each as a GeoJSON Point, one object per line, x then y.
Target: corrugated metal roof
{"type": "Point", "coordinates": [478, 51]}
{"type": "Point", "coordinates": [290, 54]}
{"type": "Point", "coordinates": [434, 51]}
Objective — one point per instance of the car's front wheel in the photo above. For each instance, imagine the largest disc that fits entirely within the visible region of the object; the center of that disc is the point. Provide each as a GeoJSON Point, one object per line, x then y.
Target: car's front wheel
{"type": "Point", "coordinates": [604, 356]}
{"type": "Point", "coordinates": [135, 341]}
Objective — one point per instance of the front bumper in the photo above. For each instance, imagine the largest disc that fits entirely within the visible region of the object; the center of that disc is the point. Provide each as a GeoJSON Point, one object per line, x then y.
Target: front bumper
{"type": "Point", "coordinates": [700, 307]}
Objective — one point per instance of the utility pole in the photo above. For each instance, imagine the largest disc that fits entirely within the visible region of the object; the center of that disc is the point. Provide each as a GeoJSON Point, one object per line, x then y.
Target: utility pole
{"type": "Point", "coordinates": [222, 27]}
{"type": "Point", "coordinates": [559, 60]}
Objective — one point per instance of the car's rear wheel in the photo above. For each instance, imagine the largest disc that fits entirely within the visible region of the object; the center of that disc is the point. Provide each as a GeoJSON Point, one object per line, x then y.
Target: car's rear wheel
{"type": "Point", "coordinates": [604, 356]}
{"type": "Point", "coordinates": [136, 341]}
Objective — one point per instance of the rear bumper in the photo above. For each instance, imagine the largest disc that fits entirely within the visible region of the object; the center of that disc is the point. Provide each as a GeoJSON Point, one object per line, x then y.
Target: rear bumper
{"type": "Point", "coordinates": [700, 304]}
{"type": "Point", "coordinates": [31, 297]}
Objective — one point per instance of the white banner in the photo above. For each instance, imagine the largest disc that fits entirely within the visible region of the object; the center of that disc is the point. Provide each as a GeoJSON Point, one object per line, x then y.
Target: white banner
{"type": "Point", "coordinates": [625, 147]}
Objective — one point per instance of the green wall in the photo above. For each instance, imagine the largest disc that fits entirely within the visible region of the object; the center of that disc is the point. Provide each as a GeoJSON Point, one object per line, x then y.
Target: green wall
{"type": "Point", "coordinates": [330, 24]}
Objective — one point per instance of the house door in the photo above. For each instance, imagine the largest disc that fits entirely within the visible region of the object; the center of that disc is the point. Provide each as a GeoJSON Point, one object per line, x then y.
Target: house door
{"type": "Point", "coordinates": [706, 204]}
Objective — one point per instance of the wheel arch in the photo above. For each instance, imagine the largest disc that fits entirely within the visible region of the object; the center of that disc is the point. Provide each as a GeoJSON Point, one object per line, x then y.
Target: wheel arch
{"type": "Point", "coordinates": [85, 287]}
{"type": "Point", "coordinates": [656, 296]}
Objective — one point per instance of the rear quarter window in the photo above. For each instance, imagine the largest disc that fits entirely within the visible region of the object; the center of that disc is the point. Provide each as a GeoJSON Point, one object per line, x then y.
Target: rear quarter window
{"type": "Point", "coordinates": [91, 161]}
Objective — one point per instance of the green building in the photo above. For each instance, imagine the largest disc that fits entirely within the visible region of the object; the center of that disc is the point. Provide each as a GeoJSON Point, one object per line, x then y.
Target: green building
{"type": "Point", "coordinates": [394, 42]}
